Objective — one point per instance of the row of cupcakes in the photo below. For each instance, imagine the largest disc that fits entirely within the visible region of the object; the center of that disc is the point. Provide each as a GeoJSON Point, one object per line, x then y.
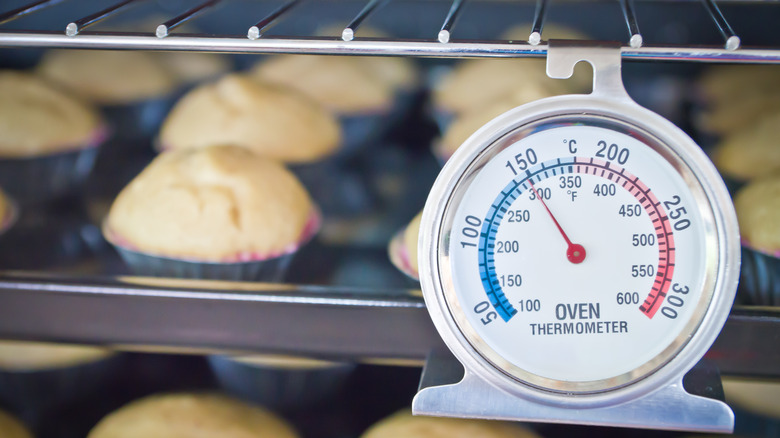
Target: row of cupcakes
{"type": "Point", "coordinates": [209, 415]}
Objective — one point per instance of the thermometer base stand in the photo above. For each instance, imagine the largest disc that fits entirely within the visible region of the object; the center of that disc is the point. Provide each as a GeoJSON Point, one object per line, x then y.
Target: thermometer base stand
{"type": "Point", "coordinates": [669, 408]}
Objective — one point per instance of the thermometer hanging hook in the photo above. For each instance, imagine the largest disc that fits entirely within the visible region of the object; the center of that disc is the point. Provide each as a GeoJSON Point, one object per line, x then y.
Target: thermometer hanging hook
{"type": "Point", "coordinates": [563, 55]}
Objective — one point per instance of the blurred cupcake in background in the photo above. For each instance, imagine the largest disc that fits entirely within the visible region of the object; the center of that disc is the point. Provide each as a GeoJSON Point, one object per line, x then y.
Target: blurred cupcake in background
{"type": "Point", "coordinates": [133, 89]}
{"type": "Point", "coordinates": [275, 122]}
{"type": "Point", "coordinates": [180, 415]}
{"type": "Point", "coordinates": [36, 376]}
{"type": "Point", "coordinates": [218, 212]}
{"type": "Point", "coordinates": [11, 427]}
{"type": "Point", "coordinates": [48, 139]}
{"type": "Point", "coordinates": [733, 97]}
{"type": "Point", "coordinates": [468, 122]}
{"type": "Point", "coordinates": [403, 248]}
{"type": "Point", "coordinates": [281, 382]}
{"type": "Point", "coordinates": [8, 213]}
{"type": "Point", "coordinates": [476, 83]}
{"type": "Point", "coordinates": [758, 211]}
{"type": "Point", "coordinates": [367, 94]}
{"type": "Point", "coordinates": [272, 121]}
{"type": "Point", "coordinates": [751, 152]}
{"type": "Point", "coordinates": [403, 424]}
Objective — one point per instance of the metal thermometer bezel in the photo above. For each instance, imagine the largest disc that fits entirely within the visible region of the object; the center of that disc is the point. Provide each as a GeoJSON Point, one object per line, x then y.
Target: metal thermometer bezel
{"type": "Point", "coordinates": [680, 151]}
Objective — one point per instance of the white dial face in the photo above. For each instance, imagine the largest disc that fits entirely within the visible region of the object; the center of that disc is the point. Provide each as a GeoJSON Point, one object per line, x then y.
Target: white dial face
{"type": "Point", "coordinates": [579, 257]}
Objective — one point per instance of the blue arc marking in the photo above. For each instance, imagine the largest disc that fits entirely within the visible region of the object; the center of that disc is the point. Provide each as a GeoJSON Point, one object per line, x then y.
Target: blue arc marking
{"type": "Point", "coordinates": [487, 239]}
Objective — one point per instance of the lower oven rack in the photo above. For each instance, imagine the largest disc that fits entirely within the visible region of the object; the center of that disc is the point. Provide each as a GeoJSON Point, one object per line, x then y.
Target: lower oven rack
{"type": "Point", "coordinates": [384, 326]}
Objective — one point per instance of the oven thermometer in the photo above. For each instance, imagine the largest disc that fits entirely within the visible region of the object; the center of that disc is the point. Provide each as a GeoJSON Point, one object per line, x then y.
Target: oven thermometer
{"type": "Point", "coordinates": [578, 255]}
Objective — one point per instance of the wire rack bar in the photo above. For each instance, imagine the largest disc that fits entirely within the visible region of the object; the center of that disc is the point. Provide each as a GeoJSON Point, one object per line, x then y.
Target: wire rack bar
{"type": "Point", "coordinates": [266, 23]}
{"type": "Point", "coordinates": [349, 32]}
{"type": "Point", "coordinates": [27, 9]}
{"type": "Point", "coordinates": [431, 49]}
{"type": "Point", "coordinates": [213, 316]}
{"type": "Point", "coordinates": [73, 28]}
{"type": "Point", "coordinates": [635, 37]}
{"type": "Point", "coordinates": [164, 29]}
{"type": "Point", "coordinates": [536, 29]}
{"type": "Point", "coordinates": [732, 40]}
{"type": "Point", "coordinates": [449, 21]}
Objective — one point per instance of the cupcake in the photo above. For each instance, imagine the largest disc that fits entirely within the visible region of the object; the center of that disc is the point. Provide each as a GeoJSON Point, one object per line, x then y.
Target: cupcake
{"type": "Point", "coordinates": [273, 121]}
{"type": "Point", "coordinates": [282, 382]}
{"type": "Point", "coordinates": [189, 415]}
{"type": "Point", "coordinates": [7, 213]}
{"type": "Point", "coordinates": [48, 139]}
{"type": "Point", "coordinates": [469, 121]}
{"type": "Point", "coordinates": [756, 396]}
{"type": "Point", "coordinates": [758, 211]}
{"type": "Point", "coordinates": [403, 424]}
{"type": "Point", "coordinates": [218, 212]}
{"type": "Point", "coordinates": [10, 427]}
{"type": "Point", "coordinates": [751, 152]}
{"type": "Point", "coordinates": [403, 248]}
{"type": "Point", "coordinates": [40, 376]}
{"type": "Point", "coordinates": [365, 93]}
{"type": "Point", "coordinates": [732, 97]}
{"type": "Point", "coordinates": [476, 83]}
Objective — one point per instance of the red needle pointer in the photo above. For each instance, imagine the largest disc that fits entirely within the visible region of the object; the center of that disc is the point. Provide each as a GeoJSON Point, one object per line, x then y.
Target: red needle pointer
{"type": "Point", "coordinates": [576, 252]}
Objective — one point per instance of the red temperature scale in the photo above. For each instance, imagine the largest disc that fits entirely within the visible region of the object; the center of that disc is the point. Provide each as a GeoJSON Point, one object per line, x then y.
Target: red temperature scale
{"type": "Point", "coordinates": [578, 255]}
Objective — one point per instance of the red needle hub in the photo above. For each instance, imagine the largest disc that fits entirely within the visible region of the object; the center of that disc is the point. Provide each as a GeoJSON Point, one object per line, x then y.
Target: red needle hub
{"type": "Point", "coordinates": [575, 252]}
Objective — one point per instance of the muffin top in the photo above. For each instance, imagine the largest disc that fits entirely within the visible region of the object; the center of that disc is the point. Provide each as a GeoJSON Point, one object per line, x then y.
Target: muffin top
{"type": "Point", "coordinates": [758, 212]}
{"type": "Point", "coordinates": [751, 152]}
{"type": "Point", "coordinates": [403, 424]}
{"type": "Point", "coordinates": [476, 83]}
{"type": "Point", "coordinates": [10, 427]}
{"type": "Point", "coordinates": [734, 96]}
{"type": "Point", "coordinates": [5, 211]}
{"type": "Point", "coordinates": [470, 121]}
{"type": "Point", "coordinates": [343, 84]}
{"type": "Point", "coordinates": [31, 356]}
{"type": "Point", "coordinates": [191, 67]}
{"type": "Point", "coordinates": [37, 119]}
{"type": "Point", "coordinates": [271, 120]}
{"type": "Point", "coordinates": [191, 416]}
{"type": "Point", "coordinates": [108, 77]}
{"type": "Point", "coordinates": [726, 83]}
{"type": "Point", "coordinates": [214, 204]}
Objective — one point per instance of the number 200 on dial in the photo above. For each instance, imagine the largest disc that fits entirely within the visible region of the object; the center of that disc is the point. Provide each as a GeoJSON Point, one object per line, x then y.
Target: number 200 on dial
{"type": "Point", "coordinates": [579, 255]}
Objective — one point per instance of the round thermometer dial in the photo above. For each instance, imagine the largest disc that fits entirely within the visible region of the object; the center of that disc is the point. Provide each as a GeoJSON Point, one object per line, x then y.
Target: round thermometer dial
{"type": "Point", "coordinates": [577, 253]}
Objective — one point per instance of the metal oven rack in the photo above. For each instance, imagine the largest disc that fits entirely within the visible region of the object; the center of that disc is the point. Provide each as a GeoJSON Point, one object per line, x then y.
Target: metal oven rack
{"type": "Point", "coordinates": [318, 321]}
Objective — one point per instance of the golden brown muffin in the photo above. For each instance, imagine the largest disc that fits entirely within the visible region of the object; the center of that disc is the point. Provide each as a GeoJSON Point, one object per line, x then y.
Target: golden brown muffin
{"type": "Point", "coordinates": [191, 416]}
{"type": "Point", "coordinates": [37, 356]}
{"type": "Point", "coordinates": [470, 121]}
{"type": "Point", "coordinates": [10, 427]}
{"type": "Point", "coordinates": [214, 204]}
{"type": "Point", "coordinates": [751, 152]}
{"type": "Point", "coordinates": [190, 67]}
{"type": "Point", "coordinates": [477, 83]}
{"type": "Point", "coordinates": [5, 211]}
{"type": "Point", "coordinates": [108, 77]}
{"type": "Point", "coordinates": [758, 212]}
{"type": "Point", "coordinates": [757, 396]}
{"type": "Point", "coordinates": [736, 95]}
{"type": "Point", "coordinates": [271, 120]}
{"type": "Point", "coordinates": [37, 119]}
{"type": "Point", "coordinates": [343, 84]}
{"type": "Point", "coordinates": [403, 424]}
{"type": "Point", "coordinates": [403, 248]}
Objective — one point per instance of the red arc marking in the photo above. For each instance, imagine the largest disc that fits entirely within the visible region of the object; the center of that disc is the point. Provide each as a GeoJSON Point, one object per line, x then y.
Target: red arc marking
{"type": "Point", "coordinates": [575, 252]}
